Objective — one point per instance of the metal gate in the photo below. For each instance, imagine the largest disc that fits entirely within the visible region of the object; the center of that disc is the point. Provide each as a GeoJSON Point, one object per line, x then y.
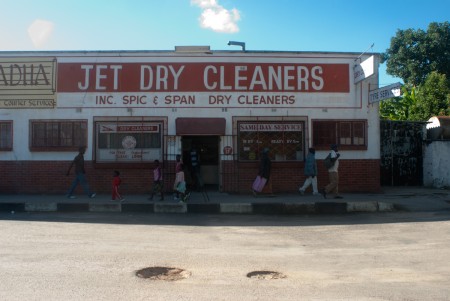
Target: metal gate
{"type": "Point", "coordinates": [401, 145]}
{"type": "Point", "coordinates": [171, 147]}
{"type": "Point", "coordinates": [228, 167]}
{"type": "Point", "coordinates": [228, 164]}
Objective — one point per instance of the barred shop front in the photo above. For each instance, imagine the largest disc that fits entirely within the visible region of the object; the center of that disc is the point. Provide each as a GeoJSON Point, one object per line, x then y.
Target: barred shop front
{"type": "Point", "coordinates": [131, 108]}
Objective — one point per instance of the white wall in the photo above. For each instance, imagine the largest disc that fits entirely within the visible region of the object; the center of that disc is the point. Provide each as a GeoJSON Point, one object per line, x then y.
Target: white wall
{"type": "Point", "coordinates": [81, 105]}
{"type": "Point", "coordinates": [436, 164]}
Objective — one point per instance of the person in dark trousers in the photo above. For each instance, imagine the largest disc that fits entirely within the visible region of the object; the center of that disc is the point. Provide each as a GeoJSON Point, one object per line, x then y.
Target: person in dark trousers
{"type": "Point", "coordinates": [80, 175]}
{"type": "Point", "coordinates": [265, 167]}
{"type": "Point", "coordinates": [157, 182]}
{"type": "Point", "coordinates": [333, 186]}
{"type": "Point", "coordinates": [310, 172]}
{"type": "Point", "coordinates": [195, 168]}
{"type": "Point", "coordinates": [178, 168]}
{"type": "Point", "coordinates": [115, 187]}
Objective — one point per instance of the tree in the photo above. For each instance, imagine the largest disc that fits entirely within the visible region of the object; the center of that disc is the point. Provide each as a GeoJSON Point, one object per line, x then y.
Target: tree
{"type": "Point", "coordinates": [433, 98]}
{"type": "Point", "coordinates": [422, 60]}
{"type": "Point", "coordinates": [413, 54]}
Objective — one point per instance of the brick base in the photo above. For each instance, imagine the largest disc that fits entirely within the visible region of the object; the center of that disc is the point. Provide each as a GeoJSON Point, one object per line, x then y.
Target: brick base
{"type": "Point", "coordinates": [48, 177]}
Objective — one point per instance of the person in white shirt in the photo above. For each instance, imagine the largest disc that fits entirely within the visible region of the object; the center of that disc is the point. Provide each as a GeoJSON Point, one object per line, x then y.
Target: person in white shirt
{"type": "Point", "coordinates": [333, 186]}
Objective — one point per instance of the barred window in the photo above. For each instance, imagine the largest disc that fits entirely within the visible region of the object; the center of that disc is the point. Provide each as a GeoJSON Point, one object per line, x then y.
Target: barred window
{"type": "Point", "coordinates": [57, 135]}
{"type": "Point", "coordinates": [348, 134]}
{"type": "Point", "coordinates": [6, 135]}
{"type": "Point", "coordinates": [284, 139]}
{"type": "Point", "coordinates": [128, 141]}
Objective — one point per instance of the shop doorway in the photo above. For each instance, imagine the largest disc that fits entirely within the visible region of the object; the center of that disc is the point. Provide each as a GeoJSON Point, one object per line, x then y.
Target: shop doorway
{"type": "Point", "coordinates": [208, 152]}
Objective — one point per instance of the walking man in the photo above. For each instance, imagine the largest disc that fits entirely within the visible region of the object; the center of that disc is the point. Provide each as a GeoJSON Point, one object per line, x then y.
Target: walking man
{"type": "Point", "coordinates": [310, 172]}
{"type": "Point", "coordinates": [332, 187]}
{"type": "Point", "coordinates": [195, 168]}
{"type": "Point", "coordinates": [80, 177]}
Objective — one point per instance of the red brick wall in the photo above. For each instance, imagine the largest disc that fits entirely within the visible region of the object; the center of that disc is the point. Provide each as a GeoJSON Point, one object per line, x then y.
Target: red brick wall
{"type": "Point", "coordinates": [49, 177]}
{"type": "Point", "coordinates": [354, 176]}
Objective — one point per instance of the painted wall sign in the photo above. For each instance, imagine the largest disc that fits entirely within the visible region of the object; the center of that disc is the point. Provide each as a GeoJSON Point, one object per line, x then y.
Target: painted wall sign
{"type": "Point", "coordinates": [204, 82]}
{"type": "Point", "coordinates": [203, 77]}
{"type": "Point", "coordinates": [202, 85]}
{"type": "Point", "coordinates": [285, 140]}
{"type": "Point", "coordinates": [128, 142]}
{"type": "Point", "coordinates": [270, 127]}
{"type": "Point", "coordinates": [129, 128]}
{"type": "Point", "coordinates": [27, 82]}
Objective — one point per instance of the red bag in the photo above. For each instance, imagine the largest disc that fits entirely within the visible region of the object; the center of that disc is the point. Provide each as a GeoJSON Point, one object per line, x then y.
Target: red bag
{"type": "Point", "coordinates": [259, 184]}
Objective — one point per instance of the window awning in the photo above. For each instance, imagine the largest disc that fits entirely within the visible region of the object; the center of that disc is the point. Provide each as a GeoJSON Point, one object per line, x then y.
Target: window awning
{"type": "Point", "coordinates": [200, 126]}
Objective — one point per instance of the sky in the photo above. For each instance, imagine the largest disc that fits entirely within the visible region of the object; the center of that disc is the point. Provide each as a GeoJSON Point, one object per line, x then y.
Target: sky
{"type": "Point", "coordinates": [263, 25]}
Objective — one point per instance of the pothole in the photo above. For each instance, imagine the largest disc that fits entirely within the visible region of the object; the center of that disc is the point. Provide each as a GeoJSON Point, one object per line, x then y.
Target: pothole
{"type": "Point", "coordinates": [163, 273]}
{"type": "Point", "coordinates": [266, 275]}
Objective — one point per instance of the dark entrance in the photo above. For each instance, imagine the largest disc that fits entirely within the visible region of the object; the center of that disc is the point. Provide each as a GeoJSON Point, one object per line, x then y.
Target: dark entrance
{"type": "Point", "coordinates": [401, 153]}
{"type": "Point", "coordinates": [208, 149]}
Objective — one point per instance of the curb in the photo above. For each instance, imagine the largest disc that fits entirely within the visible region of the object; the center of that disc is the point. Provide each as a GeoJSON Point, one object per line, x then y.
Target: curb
{"type": "Point", "coordinates": [207, 208]}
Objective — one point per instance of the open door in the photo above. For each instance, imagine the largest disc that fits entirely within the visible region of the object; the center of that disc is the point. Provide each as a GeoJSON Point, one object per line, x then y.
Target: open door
{"type": "Point", "coordinates": [208, 152]}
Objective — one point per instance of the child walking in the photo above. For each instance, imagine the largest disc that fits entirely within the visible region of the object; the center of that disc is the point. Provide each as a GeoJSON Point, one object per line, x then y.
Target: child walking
{"type": "Point", "coordinates": [115, 187]}
{"type": "Point", "coordinates": [157, 182]}
{"type": "Point", "coordinates": [180, 186]}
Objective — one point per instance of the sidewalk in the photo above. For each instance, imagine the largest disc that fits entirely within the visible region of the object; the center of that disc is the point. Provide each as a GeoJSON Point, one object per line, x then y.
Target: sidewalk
{"type": "Point", "coordinates": [391, 199]}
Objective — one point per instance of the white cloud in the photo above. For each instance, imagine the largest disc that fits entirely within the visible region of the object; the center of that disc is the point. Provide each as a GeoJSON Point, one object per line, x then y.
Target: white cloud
{"type": "Point", "coordinates": [214, 16]}
{"type": "Point", "coordinates": [40, 31]}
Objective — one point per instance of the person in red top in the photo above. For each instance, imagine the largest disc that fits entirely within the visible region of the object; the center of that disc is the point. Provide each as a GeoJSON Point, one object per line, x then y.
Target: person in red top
{"type": "Point", "coordinates": [115, 187]}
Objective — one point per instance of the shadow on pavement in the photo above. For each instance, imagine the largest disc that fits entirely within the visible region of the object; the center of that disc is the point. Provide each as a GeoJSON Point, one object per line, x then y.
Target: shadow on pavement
{"type": "Point", "coordinates": [230, 220]}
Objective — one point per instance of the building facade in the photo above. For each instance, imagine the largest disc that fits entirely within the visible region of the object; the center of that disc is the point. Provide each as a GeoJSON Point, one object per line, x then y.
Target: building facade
{"type": "Point", "coordinates": [130, 108]}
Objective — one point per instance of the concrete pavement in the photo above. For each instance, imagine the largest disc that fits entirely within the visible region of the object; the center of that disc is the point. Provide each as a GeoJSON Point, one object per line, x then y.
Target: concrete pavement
{"type": "Point", "coordinates": [391, 199]}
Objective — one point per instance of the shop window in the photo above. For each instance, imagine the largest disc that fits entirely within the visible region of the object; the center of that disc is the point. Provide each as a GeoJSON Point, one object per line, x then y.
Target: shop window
{"type": "Point", "coordinates": [57, 135]}
{"type": "Point", "coordinates": [348, 134]}
{"type": "Point", "coordinates": [284, 139]}
{"type": "Point", "coordinates": [6, 136]}
{"type": "Point", "coordinates": [128, 142]}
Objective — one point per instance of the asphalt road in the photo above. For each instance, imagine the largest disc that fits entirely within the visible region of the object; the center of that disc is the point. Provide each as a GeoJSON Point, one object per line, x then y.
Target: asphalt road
{"type": "Point", "coordinates": [388, 256]}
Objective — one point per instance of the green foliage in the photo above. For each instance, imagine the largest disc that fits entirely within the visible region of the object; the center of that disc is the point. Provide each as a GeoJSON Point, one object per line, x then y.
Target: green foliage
{"type": "Point", "coordinates": [413, 54]}
{"type": "Point", "coordinates": [433, 98]}
{"type": "Point", "coordinates": [422, 60]}
{"type": "Point", "coordinates": [398, 108]}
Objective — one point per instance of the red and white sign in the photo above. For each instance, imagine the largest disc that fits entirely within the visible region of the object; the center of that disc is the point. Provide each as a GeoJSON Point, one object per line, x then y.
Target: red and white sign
{"type": "Point", "coordinates": [129, 128]}
{"type": "Point", "coordinates": [228, 150]}
{"type": "Point", "coordinates": [202, 77]}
